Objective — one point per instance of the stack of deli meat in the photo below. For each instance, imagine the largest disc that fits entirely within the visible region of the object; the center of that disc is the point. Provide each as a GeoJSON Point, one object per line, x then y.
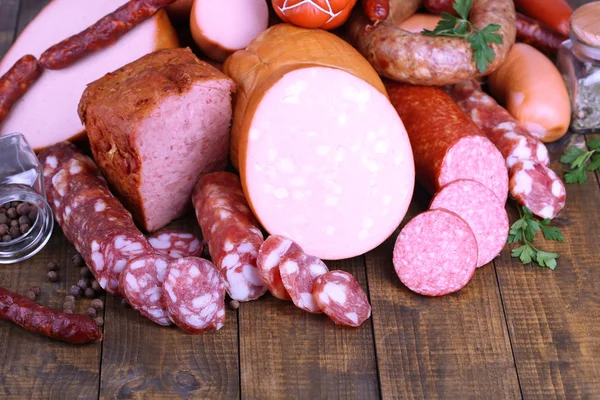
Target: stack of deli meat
{"type": "Point", "coordinates": [326, 136]}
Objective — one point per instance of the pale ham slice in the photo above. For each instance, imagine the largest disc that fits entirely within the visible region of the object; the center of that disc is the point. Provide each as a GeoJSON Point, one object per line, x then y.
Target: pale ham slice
{"type": "Point", "coordinates": [323, 156]}
{"type": "Point", "coordinates": [47, 114]}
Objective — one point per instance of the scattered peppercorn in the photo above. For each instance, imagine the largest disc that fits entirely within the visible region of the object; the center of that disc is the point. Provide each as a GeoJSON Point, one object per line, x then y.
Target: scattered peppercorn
{"type": "Point", "coordinates": [24, 229]}
{"type": "Point", "coordinates": [77, 260]}
{"type": "Point", "coordinates": [30, 295]}
{"type": "Point", "coordinates": [69, 311]}
{"type": "Point", "coordinates": [96, 286]}
{"type": "Point", "coordinates": [92, 312]}
{"type": "Point", "coordinates": [14, 223]}
{"type": "Point", "coordinates": [14, 231]}
{"type": "Point", "coordinates": [234, 304]}
{"type": "Point", "coordinates": [11, 213]}
{"type": "Point", "coordinates": [83, 284]}
{"type": "Point", "coordinates": [124, 303]}
{"type": "Point", "coordinates": [67, 305]}
{"type": "Point", "coordinates": [85, 273]}
{"type": "Point", "coordinates": [33, 214]}
{"type": "Point", "coordinates": [23, 209]}
{"type": "Point", "coordinates": [89, 293]}
{"type": "Point", "coordinates": [75, 291]}
{"type": "Point", "coordinates": [99, 321]}
{"type": "Point", "coordinates": [52, 266]}
{"type": "Point", "coordinates": [14, 220]}
{"type": "Point", "coordinates": [98, 304]}
{"type": "Point", "coordinates": [52, 276]}
{"type": "Point", "coordinates": [36, 290]}
{"type": "Point", "coordinates": [70, 298]}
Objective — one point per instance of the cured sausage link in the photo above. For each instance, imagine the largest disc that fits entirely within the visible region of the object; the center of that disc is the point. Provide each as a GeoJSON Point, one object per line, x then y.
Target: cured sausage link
{"type": "Point", "coordinates": [70, 328]}
{"type": "Point", "coordinates": [15, 82]}
{"type": "Point", "coordinates": [102, 34]}
{"type": "Point", "coordinates": [376, 10]}
{"type": "Point", "coordinates": [432, 60]}
{"type": "Point", "coordinates": [539, 36]}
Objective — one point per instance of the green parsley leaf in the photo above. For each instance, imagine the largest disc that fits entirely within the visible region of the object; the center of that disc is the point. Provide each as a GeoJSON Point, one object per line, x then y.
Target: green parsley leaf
{"type": "Point", "coordinates": [582, 161]}
{"type": "Point", "coordinates": [552, 233]}
{"type": "Point", "coordinates": [571, 155]}
{"type": "Point", "coordinates": [479, 39]}
{"type": "Point", "coordinates": [576, 176]}
{"type": "Point", "coordinates": [531, 229]}
{"type": "Point", "coordinates": [594, 144]}
{"type": "Point", "coordinates": [525, 253]}
{"type": "Point", "coordinates": [545, 259]}
{"type": "Point", "coordinates": [595, 164]}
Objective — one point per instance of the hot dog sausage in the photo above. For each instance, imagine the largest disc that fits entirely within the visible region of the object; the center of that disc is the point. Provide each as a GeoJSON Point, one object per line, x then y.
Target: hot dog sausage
{"type": "Point", "coordinates": [16, 81]}
{"type": "Point", "coordinates": [102, 34]}
{"type": "Point", "coordinates": [70, 328]}
{"type": "Point", "coordinates": [428, 60]}
{"type": "Point", "coordinates": [376, 10]}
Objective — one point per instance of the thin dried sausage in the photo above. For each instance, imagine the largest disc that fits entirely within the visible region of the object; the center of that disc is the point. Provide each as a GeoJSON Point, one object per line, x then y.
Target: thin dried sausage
{"type": "Point", "coordinates": [15, 82]}
{"type": "Point", "coordinates": [376, 10]}
{"type": "Point", "coordinates": [102, 34]}
{"type": "Point", "coordinates": [70, 328]}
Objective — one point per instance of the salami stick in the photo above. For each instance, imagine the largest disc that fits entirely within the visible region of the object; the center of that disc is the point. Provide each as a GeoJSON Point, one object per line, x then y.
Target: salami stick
{"type": "Point", "coordinates": [15, 82]}
{"type": "Point", "coordinates": [70, 328]}
{"type": "Point", "coordinates": [539, 36]}
{"type": "Point", "coordinates": [102, 34]}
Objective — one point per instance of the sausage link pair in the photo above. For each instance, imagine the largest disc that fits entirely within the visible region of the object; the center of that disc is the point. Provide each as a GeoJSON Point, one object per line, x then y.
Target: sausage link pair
{"type": "Point", "coordinates": [70, 328]}
{"type": "Point", "coordinates": [102, 34]}
{"type": "Point", "coordinates": [15, 82]}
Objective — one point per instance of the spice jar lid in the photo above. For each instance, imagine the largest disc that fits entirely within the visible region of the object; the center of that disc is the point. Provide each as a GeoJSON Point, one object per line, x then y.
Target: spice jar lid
{"type": "Point", "coordinates": [585, 23]}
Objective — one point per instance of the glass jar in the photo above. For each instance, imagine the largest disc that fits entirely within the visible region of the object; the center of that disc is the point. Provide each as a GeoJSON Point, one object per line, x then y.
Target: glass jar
{"type": "Point", "coordinates": [22, 180]}
{"type": "Point", "coordinates": [579, 62]}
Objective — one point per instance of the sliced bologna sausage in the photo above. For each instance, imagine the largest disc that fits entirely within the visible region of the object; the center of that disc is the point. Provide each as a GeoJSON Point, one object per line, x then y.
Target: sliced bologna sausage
{"type": "Point", "coordinates": [341, 298]}
{"type": "Point", "coordinates": [316, 139]}
{"type": "Point", "coordinates": [298, 273]}
{"type": "Point", "coordinates": [97, 224]}
{"type": "Point", "coordinates": [510, 136]}
{"type": "Point", "coordinates": [194, 295]}
{"type": "Point", "coordinates": [446, 144]}
{"type": "Point", "coordinates": [435, 253]}
{"type": "Point", "coordinates": [271, 252]}
{"type": "Point", "coordinates": [432, 60]}
{"type": "Point", "coordinates": [70, 328]}
{"type": "Point", "coordinates": [538, 188]}
{"type": "Point", "coordinates": [232, 233]}
{"type": "Point", "coordinates": [482, 210]}
{"type": "Point", "coordinates": [175, 244]}
{"type": "Point", "coordinates": [141, 283]}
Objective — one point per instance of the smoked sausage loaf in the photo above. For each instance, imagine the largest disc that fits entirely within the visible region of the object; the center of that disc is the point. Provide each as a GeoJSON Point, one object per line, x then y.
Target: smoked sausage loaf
{"type": "Point", "coordinates": [316, 139]}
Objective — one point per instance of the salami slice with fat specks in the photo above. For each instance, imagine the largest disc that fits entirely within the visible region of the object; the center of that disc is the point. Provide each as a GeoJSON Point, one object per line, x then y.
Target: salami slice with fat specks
{"type": "Point", "coordinates": [298, 273]}
{"type": "Point", "coordinates": [482, 210]}
{"type": "Point", "coordinates": [538, 188]}
{"type": "Point", "coordinates": [435, 253]}
{"type": "Point", "coordinates": [141, 283]}
{"type": "Point", "coordinates": [175, 244]}
{"type": "Point", "coordinates": [194, 295]}
{"type": "Point", "coordinates": [341, 298]}
{"type": "Point", "coordinates": [270, 255]}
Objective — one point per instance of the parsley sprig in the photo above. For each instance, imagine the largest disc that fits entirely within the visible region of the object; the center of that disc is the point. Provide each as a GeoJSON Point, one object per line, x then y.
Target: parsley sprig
{"type": "Point", "coordinates": [479, 39]}
{"type": "Point", "coordinates": [524, 230]}
{"type": "Point", "coordinates": [582, 161]}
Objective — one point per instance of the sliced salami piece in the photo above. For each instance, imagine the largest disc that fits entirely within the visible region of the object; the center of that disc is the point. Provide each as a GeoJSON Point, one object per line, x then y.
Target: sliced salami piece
{"type": "Point", "coordinates": [141, 283]}
{"type": "Point", "coordinates": [482, 210]}
{"type": "Point", "coordinates": [341, 298]}
{"type": "Point", "coordinates": [298, 273]}
{"type": "Point", "coordinates": [435, 253]}
{"type": "Point", "coordinates": [446, 144]}
{"type": "Point", "coordinates": [194, 295]}
{"type": "Point", "coordinates": [232, 233]}
{"type": "Point", "coordinates": [509, 135]}
{"type": "Point", "coordinates": [538, 188]}
{"type": "Point", "coordinates": [270, 255]}
{"type": "Point", "coordinates": [175, 244]}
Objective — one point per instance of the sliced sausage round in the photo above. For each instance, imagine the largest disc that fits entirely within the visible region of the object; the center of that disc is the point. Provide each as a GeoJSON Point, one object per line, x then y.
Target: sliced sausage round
{"type": "Point", "coordinates": [270, 255]}
{"type": "Point", "coordinates": [175, 244]}
{"type": "Point", "coordinates": [538, 188]}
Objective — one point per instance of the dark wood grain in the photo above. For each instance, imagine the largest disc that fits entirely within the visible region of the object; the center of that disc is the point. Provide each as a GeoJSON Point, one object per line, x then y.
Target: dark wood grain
{"type": "Point", "coordinates": [32, 366]}
{"type": "Point", "coordinates": [554, 316]}
{"type": "Point", "coordinates": [143, 360]}
{"type": "Point", "coordinates": [451, 347]}
{"type": "Point", "coordinates": [288, 353]}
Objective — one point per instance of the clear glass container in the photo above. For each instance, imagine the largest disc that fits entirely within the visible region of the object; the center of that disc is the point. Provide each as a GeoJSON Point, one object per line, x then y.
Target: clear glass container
{"type": "Point", "coordinates": [579, 62]}
{"type": "Point", "coordinates": [22, 180]}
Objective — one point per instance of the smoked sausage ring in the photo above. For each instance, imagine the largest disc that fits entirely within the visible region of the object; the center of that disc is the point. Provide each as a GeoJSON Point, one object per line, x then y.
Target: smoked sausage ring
{"type": "Point", "coordinates": [431, 60]}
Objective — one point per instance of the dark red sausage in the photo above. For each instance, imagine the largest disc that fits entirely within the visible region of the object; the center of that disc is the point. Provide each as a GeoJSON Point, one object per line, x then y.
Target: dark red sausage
{"type": "Point", "coordinates": [539, 36]}
{"type": "Point", "coordinates": [439, 6]}
{"type": "Point", "coordinates": [102, 34]}
{"type": "Point", "coordinates": [376, 10]}
{"type": "Point", "coordinates": [70, 328]}
{"type": "Point", "coordinates": [15, 82]}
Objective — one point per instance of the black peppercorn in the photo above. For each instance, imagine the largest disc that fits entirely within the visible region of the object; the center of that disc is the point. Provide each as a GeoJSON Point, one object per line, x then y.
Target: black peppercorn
{"type": "Point", "coordinates": [52, 276]}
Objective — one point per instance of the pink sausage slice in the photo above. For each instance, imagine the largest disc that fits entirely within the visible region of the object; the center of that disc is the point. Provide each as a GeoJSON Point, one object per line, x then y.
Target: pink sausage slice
{"type": "Point", "coordinates": [537, 187]}
{"type": "Point", "coordinates": [141, 283]}
{"type": "Point", "coordinates": [194, 295]}
{"type": "Point", "coordinates": [298, 273]}
{"type": "Point", "coordinates": [175, 244]}
{"type": "Point", "coordinates": [435, 253]}
{"type": "Point", "coordinates": [341, 298]}
{"type": "Point", "coordinates": [482, 210]}
{"type": "Point", "coordinates": [271, 252]}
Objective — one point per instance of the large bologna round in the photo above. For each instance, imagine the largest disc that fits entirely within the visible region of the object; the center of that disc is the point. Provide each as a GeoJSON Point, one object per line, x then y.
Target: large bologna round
{"type": "Point", "coordinates": [323, 156]}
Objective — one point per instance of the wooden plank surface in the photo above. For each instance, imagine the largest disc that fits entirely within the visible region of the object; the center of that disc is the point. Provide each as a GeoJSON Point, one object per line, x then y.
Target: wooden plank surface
{"type": "Point", "coordinates": [450, 347]}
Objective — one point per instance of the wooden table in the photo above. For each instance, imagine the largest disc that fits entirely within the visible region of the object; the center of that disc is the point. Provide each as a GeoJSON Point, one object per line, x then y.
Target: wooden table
{"type": "Point", "coordinates": [514, 332]}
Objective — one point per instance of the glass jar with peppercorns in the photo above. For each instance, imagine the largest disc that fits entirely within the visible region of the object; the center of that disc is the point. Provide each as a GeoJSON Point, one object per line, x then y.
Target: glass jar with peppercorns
{"type": "Point", "coordinates": [26, 219]}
